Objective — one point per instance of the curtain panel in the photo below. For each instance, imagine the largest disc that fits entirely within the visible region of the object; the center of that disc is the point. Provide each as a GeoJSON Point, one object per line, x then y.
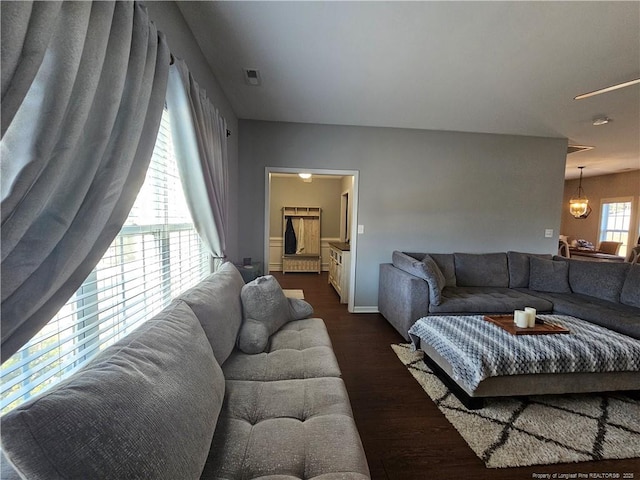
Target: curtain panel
{"type": "Point", "coordinates": [83, 88]}
{"type": "Point", "coordinates": [200, 143]}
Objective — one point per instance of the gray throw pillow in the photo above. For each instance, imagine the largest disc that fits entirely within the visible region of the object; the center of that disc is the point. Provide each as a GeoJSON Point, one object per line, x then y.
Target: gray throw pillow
{"type": "Point", "coordinates": [447, 267]}
{"type": "Point", "coordinates": [427, 269]}
{"type": "Point", "coordinates": [435, 278]}
{"type": "Point", "coordinates": [549, 275]}
{"type": "Point", "coordinates": [407, 263]}
{"type": "Point", "coordinates": [266, 309]}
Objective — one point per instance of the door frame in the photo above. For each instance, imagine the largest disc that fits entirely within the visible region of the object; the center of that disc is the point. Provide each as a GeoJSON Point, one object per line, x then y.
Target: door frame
{"type": "Point", "coordinates": [354, 216]}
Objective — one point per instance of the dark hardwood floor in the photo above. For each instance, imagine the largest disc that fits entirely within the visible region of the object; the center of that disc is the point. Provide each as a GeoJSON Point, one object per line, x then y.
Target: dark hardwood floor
{"type": "Point", "coordinates": [404, 434]}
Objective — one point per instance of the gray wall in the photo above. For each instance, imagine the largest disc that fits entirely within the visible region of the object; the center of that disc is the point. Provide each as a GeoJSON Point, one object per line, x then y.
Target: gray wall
{"type": "Point", "coordinates": [419, 190]}
{"type": "Point", "coordinates": [169, 20]}
{"type": "Point", "coordinates": [293, 192]}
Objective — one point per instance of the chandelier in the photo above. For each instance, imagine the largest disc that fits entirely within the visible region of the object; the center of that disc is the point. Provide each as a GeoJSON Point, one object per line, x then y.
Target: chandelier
{"type": "Point", "coordinates": [579, 203]}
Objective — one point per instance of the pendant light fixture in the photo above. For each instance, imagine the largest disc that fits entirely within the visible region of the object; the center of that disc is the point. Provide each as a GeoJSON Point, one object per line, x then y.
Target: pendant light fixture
{"type": "Point", "coordinates": [579, 204]}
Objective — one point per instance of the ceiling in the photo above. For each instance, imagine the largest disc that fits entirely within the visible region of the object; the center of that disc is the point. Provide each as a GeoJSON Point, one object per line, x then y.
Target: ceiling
{"type": "Point", "coordinates": [493, 67]}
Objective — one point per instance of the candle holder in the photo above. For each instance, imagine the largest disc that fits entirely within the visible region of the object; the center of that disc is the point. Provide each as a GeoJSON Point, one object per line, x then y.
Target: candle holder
{"type": "Point", "coordinates": [531, 316]}
{"type": "Point", "coordinates": [521, 319]}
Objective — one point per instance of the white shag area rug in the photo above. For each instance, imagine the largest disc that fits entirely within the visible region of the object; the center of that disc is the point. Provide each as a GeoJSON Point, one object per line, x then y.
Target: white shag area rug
{"type": "Point", "coordinates": [536, 430]}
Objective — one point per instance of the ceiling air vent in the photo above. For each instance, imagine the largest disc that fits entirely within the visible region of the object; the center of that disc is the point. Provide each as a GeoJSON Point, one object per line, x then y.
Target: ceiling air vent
{"type": "Point", "coordinates": [578, 148]}
{"type": "Point", "coordinates": [252, 77]}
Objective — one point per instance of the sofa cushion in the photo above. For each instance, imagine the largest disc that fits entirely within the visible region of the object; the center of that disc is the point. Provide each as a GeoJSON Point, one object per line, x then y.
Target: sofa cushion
{"type": "Point", "coordinates": [618, 317]}
{"type": "Point", "coordinates": [549, 275]}
{"type": "Point", "coordinates": [630, 294]}
{"type": "Point", "coordinates": [519, 268]}
{"type": "Point", "coordinates": [299, 335]}
{"type": "Point", "coordinates": [145, 407]}
{"type": "Point", "coordinates": [481, 270]}
{"type": "Point", "coordinates": [291, 429]}
{"type": "Point", "coordinates": [216, 303]}
{"type": "Point", "coordinates": [283, 364]}
{"type": "Point", "coordinates": [425, 268]}
{"type": "Point", "coordinates": [300, 349]}
{"type": "Point", "coordinates": [408, 263]}
{"type": "Point", "coordinates": [480, 300]}
{"type": "Point", "coordinates": [444, 262]}
{"type": "Point", "coordinates": [266, 309]}
{"type": "Point", "coordinates": [434, 278]}
{"type": "Point", "coordinates": [602, 280]}
{"type": "Point", "coordinates": [7, 472]}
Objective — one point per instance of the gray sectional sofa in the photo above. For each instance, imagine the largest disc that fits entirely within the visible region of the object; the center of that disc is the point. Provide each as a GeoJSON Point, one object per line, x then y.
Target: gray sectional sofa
{"type": "Point", "coordinates": [177, 399]}
{"type": "Point", "coordinates": [415, 285]}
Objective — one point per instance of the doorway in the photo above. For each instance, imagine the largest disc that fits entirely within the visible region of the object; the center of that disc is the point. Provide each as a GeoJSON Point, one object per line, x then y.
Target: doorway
{"type": "Point", "coordinates": [346, 211]}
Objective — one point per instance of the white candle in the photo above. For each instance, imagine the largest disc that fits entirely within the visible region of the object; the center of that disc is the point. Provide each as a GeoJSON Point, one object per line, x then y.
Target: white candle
{"type": "Point", "coordinates": [531, 316]}
{"type": "Point", "coordinates": [520, 318]}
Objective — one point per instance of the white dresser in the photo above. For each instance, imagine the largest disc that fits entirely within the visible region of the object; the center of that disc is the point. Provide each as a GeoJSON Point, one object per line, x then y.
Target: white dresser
{"type": "Point", "coordinates": [339, 264]}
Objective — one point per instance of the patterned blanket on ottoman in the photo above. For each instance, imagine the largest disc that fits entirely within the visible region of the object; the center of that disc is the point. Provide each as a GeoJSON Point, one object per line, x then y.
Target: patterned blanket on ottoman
{"type": "Point", "coordinates": [477, 349]}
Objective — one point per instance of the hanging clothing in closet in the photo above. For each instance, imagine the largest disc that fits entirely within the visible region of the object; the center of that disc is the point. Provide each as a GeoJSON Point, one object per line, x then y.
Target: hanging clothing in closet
{"type": "Point", "coordinates": [300, 236]}
{"type": "Point", "coordinates": [290, 241]}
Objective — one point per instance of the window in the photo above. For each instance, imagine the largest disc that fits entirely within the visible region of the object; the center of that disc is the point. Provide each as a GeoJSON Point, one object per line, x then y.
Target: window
{"type": "Point", "coordinates": [615, 222]}
{"type": "Point", "coordinates": [155, 257]}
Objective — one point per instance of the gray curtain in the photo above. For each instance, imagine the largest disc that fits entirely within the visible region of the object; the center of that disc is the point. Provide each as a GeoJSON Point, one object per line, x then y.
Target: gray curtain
{"type": "Point", "coordinates": [200, 142]}
{"type": "Point", "coordinates": [83, 88]}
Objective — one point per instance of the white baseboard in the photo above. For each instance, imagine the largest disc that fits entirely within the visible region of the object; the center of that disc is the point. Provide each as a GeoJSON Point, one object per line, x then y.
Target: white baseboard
{"type": "Point", "coordinates": [366, 309]}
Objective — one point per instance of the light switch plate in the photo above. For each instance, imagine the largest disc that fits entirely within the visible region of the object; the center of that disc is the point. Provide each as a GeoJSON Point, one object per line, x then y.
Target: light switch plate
{"type": "Point", "coordinates": [360, 229]}
{"type": "Point", "coordinates": [548, 233]}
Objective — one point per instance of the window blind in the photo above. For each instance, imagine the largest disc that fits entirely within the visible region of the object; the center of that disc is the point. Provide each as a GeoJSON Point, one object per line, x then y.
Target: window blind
{"type": "Point", "coordinates": [156, 256]}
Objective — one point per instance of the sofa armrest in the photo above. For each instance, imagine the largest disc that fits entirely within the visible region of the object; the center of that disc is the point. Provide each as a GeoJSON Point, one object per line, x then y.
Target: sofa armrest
{"type": "Point", "coordinates": [402, 298]}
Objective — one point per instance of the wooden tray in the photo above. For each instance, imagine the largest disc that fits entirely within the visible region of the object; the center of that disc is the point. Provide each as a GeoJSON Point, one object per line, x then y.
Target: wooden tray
{"type": "Point", "coordinates": [541, 327]}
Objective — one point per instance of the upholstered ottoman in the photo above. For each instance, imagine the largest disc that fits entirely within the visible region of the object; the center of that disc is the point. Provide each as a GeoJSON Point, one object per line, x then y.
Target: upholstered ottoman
{"type": "Point", "coordinates": [478, 359]}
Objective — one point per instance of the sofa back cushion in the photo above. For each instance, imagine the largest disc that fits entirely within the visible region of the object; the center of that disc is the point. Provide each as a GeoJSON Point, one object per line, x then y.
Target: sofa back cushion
{"type": "Point", "coordinates": [602, 280]}
{"type": "Point", "coordinates": [630, 294]}
{"type": "Point", "coordinates": [481, 270]}
{"type": "Point", "coordinates": [216, 302]}
{"type": "Point", "coordinates": [7, 472]}
{"type": "Point", "coordinates": [145, 407]}
{"type": "Point", "coordinates": [519, 268]}
{"type": "Point", "coordinates": [549, 275]}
